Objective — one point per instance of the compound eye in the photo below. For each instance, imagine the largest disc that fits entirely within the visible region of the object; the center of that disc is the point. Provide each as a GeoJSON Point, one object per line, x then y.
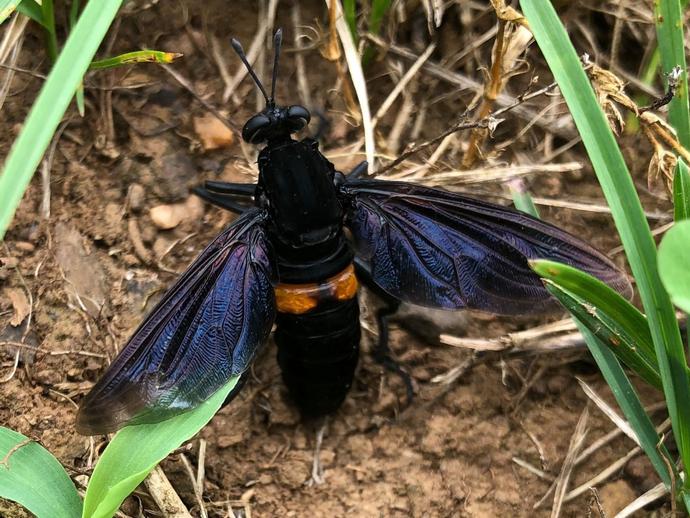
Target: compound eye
{"type": "Point", "coordinates": [255, 130]}
{"type": "Point", "coordinates": [297, 117]}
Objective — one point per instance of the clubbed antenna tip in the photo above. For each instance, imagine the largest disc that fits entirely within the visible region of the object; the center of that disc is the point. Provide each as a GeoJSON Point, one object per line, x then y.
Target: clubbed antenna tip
{"type": "Point", "coordinates": [240, 52]}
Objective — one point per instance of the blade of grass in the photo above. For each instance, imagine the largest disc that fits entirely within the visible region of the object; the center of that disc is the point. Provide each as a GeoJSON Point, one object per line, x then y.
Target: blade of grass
{"type": "Point", "coordinates": [378, 10]}
{"type": "Point", "coordinates": [31, 9]}
{"type": "Point", "coordinates": [630, 404]}
{"type": "Point", "coordinates": [681, 192]}
{"type": "Point", "coordinates": [610, 333]}
{"type": "Point", "coordinates": [7, 7]}
{"type": "Point", "coordinates": [119, 471]}
{"type": "Point", "coordinates": [350, 12]}
{"type": "Point", "coordinates": [31, 476]}
{"type": "Point", "coordinates": [602, 297]}
{"type": "Point", "coordinates": [48, 15]}
{"type": "Point", "coordinates": [51, 104]}
{"type": "Point", "coordinates": [79, 94]}
{"type": "Point", "coordinates": [673, 264]}
{"type": "Point", "coordinates": [626, 209]}
{"type": "Point", "coordinates": [521, 198]}
{"type": "Point", "coordinates": [131, 58]}
{"type": "Point", "coordinates": [668, 17]}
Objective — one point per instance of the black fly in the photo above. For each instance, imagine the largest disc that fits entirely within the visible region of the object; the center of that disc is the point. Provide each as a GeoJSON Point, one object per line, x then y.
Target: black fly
{"type": "Point", "coordinates": [287, 260]}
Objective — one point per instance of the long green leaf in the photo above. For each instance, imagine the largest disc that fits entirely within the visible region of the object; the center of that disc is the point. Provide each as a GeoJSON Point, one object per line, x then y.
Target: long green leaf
{"type": "Point", "coordinates": [138, 56]}
{"type": "Point", "coordinates": [601, 296]}
{"type": "Point", "coordinates": [668, 17]}
{"type": "Point", "coordinates": [681, 191]}
{"type": "Point", "coordinates": [32, 477]}
{"type": "Point", "coordinates": [630, 404]}
{"type": "Point", "coordinates": [135, 451]}
{"type": "Point", "coordinates": [48, 14]}
{"type": "Point", "coordinates": [350, 12]}
{"type": "Point", "coordinates": [7, 7]}
{"type": "Point", "coordinates": [674, 264]}
{"type": "Point", "coordinates": [609, 331]}
{"type": "Point", "coordinates": [55, 96]}
{"type": "Point", "coordinates": [33, 10]}
{"type": "Point", "coordinates": [626, 209]}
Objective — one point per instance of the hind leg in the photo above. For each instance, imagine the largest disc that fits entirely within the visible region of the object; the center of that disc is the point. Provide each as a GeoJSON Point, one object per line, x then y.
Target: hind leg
{"type": "Point", "coordinates": [382, 352]}
{"type": "Point", "coordinates": [225, 195]}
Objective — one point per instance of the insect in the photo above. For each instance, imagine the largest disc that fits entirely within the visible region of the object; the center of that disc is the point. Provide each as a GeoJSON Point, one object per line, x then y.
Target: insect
{"type": "Point", "coordinates": [287, 260]}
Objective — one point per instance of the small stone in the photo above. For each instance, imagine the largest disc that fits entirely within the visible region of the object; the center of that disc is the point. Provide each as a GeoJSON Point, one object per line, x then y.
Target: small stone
{"type": "Point", "coordinates": [136, 197]}
{"type": "Point", "coordinates": [212, 132]}
{"type": "Point", "coordinates": [24, 246]}
{"type": "Point", "coordinates": [614, 496]}
{"type": "Point", "coordinates": [167, 217]}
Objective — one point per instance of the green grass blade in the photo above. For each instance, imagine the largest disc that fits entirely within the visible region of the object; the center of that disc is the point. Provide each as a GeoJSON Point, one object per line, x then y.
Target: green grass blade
{"type": "Point", "coordinates": [612, 319]}
{"type": "Point", "coordinates": [48, 14]}
{"type": "Point", "coordinates": [131, 58]}
{"type": "Point", "coordinates": [350, 12]}
{"type": "Point", "coordinates": [522, 200]}
{"type": "Point", "coordinates": [681, 191]}
{"type": "Point", "coordinates": [378, 11]}
{"type": "Point", "coordinates": [79, 94]}
{"type": "Point", "coordinates": [601, 296]}
{"type": "Point", "coordinates": [668, 16]}
{"type": "Point", "coordinates": [626, 209]}
{"type": "Point", "coordinates": [7, 7]}
{"type": "Point", "coordinates": [31, 9]}
{"type": "Point", "coordinates": [55, 96]}
{"type": "Point", "coordinates": [31, 476]}
{"type": "Point", "coordinates": [630, 404]}
{"type": "Point", "coordinates": [119, 471]}
{"type": "Point", "coordinates": [674, 265]}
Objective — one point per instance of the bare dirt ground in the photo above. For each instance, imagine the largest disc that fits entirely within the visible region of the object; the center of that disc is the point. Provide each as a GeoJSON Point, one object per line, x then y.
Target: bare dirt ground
{"type": "Point", "coordinates": [81, 278]}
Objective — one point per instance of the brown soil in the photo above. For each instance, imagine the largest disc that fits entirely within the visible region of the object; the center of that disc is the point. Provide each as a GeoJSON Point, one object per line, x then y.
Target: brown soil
{"type": "Point", "coordinates": [93, 265]}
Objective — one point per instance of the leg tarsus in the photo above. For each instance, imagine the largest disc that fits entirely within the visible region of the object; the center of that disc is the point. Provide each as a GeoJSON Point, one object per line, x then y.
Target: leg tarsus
{"type": "Point", "coordinates": [317, 476]}
{"type": "Point", "coordinates": [238, 189]}
{"type": "Point", "coordinates": [359, 170]}
{"type": "Point", "coordinates": [382, 351]}
{"type": "Point", "coordinates": [220, 200]}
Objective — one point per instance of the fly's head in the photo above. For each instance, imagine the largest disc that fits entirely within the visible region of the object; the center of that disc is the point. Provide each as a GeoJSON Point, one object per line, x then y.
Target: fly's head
{"type": "Point", "coordinates": [274, 123]}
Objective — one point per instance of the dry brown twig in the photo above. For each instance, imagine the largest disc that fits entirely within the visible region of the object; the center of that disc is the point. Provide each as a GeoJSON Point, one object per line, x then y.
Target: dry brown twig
{"type": "Point", "coordinates": [576, 442]}
{"type": "Point", "coordinates": [610, 90]}
{"type": "Point", "coordinates": [512, 39]}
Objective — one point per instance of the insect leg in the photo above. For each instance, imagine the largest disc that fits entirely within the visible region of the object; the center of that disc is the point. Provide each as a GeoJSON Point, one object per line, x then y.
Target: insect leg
{"type": "Point", "coordinates": [238, 189]}
{"type": "Point", "coordinates": [382, 352]}
{"type": "Point", "coordinates": [359, 170]}
{"type": "Point", "coordinates": [221, 200]}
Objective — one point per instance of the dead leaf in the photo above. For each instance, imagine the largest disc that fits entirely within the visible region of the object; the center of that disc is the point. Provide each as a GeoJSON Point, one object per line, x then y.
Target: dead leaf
{"type": "Point", "coordinates": [212, 132]}
{"type": "Point", "coordinates": [20, 305]}
{"type": "Point", "coordinates": [169, 216]}
{"type": "Point", "coordinates": [85, 279]}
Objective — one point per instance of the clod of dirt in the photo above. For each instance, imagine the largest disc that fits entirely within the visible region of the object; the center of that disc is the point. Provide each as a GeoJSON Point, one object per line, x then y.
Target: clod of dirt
{"type": "Point", "coordinates": [641, 471]}
{"type": "Point", "coordinates": [169, 216]}
{"type": "Point", "coordinates": [83, 273]}
{"type": "Point", "coordinates": [136, 197]}
{"type": "Point", "coordinates": [169, 170]}
{"type": "Point", "coordinates": [614, 496]}
{"type": "Point", "coordinates": [212, 132]}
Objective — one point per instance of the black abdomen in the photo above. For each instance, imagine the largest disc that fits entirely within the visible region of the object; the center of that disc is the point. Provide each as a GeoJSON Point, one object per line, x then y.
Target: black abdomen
{"type": "Point", "coordinates": [318, 352]}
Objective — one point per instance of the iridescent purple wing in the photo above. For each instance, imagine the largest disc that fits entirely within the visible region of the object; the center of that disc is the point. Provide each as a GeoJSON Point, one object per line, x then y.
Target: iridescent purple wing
{"type": "Point", "coordinates": [440, 249]}
{"type": "Point", "coordinates": [207, 328]}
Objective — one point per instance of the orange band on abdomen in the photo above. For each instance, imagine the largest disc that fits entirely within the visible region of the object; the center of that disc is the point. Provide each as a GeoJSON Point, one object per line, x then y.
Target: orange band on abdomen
{"type": "Point", "coordinates": [300, 298]}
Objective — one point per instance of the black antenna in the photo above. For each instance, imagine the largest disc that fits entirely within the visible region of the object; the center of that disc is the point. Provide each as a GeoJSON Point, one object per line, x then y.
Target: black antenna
{"type": "Point", "coordinates": [240, 52]}
{"type": "Point", "coordinates": [277, 42]}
